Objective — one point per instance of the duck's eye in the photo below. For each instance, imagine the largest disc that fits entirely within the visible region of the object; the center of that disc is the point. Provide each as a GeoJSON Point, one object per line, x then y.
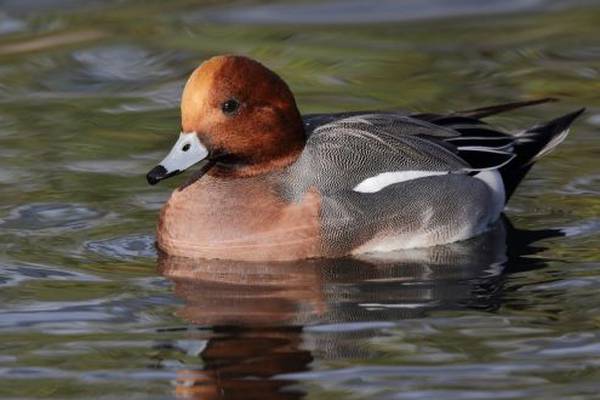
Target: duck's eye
{"type": "Point", "coordinates": [186, 147]}
{"type": "Point", "coordinates": [230, 106]}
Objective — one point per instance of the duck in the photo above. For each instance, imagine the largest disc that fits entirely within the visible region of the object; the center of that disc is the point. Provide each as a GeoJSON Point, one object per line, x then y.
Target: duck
{"type": "Point", "coordinates": [274, 185]}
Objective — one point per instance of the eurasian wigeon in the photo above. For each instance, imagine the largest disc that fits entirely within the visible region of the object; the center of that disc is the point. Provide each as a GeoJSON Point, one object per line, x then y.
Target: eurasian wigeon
{"type": "Point", "coordinates": [275, 186]}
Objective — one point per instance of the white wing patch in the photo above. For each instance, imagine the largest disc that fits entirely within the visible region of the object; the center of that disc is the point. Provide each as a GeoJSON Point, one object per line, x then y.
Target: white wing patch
{"type": "Point", "coordinates": [376, 183]}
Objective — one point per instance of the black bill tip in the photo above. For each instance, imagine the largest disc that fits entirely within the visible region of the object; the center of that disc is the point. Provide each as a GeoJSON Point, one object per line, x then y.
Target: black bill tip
{"type": "Point", "coordinates": [159, 173]}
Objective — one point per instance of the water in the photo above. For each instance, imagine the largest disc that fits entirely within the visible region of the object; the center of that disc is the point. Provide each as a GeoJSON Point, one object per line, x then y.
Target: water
{"type": "Point", "coordinates": [89, 94]}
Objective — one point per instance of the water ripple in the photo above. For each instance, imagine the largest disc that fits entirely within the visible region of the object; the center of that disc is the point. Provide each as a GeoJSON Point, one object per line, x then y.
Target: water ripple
{"type": "Point", "coordinates": [54, 216]}
{"type": "Point", "coordinates": [10, 25]}
{"type": "Point", "coordinates": [125, 247]}
{"type": "Point", "coordinates": [123, 63]}
{"type": "Point", "coordinates": [584, 185]}
{"type": "Point", "coordinates": [15, 273]}
{"type": "Point", "coordinates": [359, 12]}
{"type": "Point", "coordinates": [113, 167]}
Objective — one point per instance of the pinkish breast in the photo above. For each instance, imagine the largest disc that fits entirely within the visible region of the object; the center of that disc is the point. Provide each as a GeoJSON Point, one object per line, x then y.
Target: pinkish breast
{"type": "Point", "coordinates": [239, 219]}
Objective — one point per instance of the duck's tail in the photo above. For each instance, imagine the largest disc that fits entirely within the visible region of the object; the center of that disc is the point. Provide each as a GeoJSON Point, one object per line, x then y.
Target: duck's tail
{"type": "Point", "coordinates": [485, 148]}
{"type": "Point", "coordinates": [532, 144]}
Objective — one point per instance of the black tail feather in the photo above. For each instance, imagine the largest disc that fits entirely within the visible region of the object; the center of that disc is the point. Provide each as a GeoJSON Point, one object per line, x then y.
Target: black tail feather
{"type": "Point", "coordinates": [531, 145]}
{"type": "Point", "coordinates": [483, 112]}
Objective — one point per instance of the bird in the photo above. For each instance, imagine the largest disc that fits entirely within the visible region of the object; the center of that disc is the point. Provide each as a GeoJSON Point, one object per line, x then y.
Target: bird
{"type": "Point", "coordinates": [274, 185]}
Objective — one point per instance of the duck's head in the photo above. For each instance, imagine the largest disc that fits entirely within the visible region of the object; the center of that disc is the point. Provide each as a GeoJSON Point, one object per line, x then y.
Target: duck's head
{"type": "Point", "coordinates": [238, 117]}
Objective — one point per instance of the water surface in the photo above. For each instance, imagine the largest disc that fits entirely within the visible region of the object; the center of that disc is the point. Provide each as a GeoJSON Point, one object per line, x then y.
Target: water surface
{"type": "Point", "coordinates": [89, 95]}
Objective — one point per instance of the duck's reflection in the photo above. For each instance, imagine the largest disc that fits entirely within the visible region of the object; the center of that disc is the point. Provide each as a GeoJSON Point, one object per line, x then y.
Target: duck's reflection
{"type": "Point", "coordinates": [257, 310]}
{"type": "Point", "coordinates": [241, 364]}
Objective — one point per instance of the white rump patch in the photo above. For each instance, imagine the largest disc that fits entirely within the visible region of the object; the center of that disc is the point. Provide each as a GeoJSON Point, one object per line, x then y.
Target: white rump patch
{"type": "Point", "coordinates": [494, 182]}
{"type": "Point", "coordinates": [378, 182]}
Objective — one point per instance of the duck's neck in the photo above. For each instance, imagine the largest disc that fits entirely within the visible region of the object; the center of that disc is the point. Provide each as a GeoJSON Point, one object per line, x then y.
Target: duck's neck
{"type": "Point", "coordinates": [271, 157]}
{"type": "Point", "coordinates": [244, 169]}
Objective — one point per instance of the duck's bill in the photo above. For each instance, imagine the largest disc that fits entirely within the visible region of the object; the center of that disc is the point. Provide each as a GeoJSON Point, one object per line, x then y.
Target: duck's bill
{"type": "Point", "coordinates": [187, 151]}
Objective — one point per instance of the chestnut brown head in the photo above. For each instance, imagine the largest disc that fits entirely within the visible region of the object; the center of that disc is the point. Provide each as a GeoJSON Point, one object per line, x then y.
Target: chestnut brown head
{"type": "Point", "coordinates": [239, 116]}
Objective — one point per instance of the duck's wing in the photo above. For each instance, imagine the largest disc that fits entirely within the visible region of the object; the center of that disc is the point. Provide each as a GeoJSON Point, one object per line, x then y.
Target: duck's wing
{"type": "Point", "coordinates": [361, 152]}
{"type": "Point", "coordinates": [459, 142]}
{"type": "Point", "coordinates": [462, 132]}
{"type": "Point", "coordinates": [389, 181]}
